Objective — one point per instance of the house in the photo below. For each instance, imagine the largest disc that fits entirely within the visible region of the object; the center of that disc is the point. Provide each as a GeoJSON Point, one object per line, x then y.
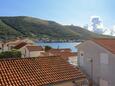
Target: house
{"type": "Point", "coordinates": [66, 54]}
{"type": "Point", "coordinates": [41, 71]}
{"type": "Point", "coordinates": [20, 45]}
{"type": "Point", "coordinates": [22, 48]}
{"type": "Point", "coordinates": [59, 52]}
{"type": "Point", "coordinates": [8, 45]}
{"type": "Point", "coordinates": [96, 58]}
{"type": "Point", "coordinates": [33, 51]}
{"type": "Point", "coordinates": [29, 50]}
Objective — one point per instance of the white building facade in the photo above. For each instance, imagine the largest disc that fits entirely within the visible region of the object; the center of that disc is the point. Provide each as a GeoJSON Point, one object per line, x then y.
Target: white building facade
{"type": "Point", "coordinates": [97, 62]}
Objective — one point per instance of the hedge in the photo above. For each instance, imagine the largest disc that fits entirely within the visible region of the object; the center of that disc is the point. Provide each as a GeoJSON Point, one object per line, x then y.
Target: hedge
{"type": "Point", "coordinates": [10, 54]}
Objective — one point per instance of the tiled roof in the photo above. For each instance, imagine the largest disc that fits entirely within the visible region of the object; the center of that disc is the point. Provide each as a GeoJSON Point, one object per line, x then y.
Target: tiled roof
{"type": "Point", "coordinates": [67, 54]}
{"type": "Point", "coordinates": [20, 45]}
{"type": "Point", "coordinates": [46, 54]}
{"type": "Point", "coordinates": [37, 71]}
{"type": "Point", "coordinates": [35, 48]}
{"type": "Point", "coordinates": [109, 44]}
{"type": "Point", "coordinates": [64, 55]}
{"type": "Point", "coordinates": [60, 50]}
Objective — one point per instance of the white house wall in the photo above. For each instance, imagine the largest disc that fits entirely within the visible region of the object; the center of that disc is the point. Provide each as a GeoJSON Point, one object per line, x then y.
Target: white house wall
{"type": "Point", "coordinates": [93, 51]}
{"type": "Point", "coordinates": [35, 53]}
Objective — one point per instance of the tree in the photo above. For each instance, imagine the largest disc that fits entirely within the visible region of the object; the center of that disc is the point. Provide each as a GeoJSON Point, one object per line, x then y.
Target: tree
{"type": "Point", "coordinates": [47, 48]}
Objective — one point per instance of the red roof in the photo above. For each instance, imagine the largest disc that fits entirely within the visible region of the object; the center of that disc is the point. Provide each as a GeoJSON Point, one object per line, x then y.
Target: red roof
{"type": "Point", "coordinates": [67, 54]}
{"type": "Point", "coordinates": [60, 50]}
{"type": "Point", "coordinates": [35, 48]}
{"type": "Point", "coordinates": [20, 45]}
{"type": "Point", "coordinates": [109, 44]}
{"type": "Point", "coordinates": [64, 53]}
{"type": "Point", "coordinates": [37, 71]}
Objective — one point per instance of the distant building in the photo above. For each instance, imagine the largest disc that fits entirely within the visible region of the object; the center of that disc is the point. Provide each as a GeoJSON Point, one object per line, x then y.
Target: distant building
{"type": "Point", "coordinates": [66, 54]}
{"type": "Point", "coordinates": [20, 45]}
{"type": "Point", "coordinates": [22, 48]}
{"type": "Point", "coordinates": [33, 51]}
{"type": "Point", "coordinates": [41, 71]}
{"type": "Point", "coordinates": [97, 59]}
{"type": "Point", "coordinates": [10, 44]}
{"type": "Point", "coordinates": [29, 50]}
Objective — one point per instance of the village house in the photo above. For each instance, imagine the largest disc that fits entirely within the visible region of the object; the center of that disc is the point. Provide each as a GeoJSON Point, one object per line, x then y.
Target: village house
{"type": "Point", "coordinates": [29, 50]}
{"type": "Point", "coordinates": [21, 47]}
{"type": "Point", "coordinates": [96, 58]}
{"type": "Point", "coordinates": [41, 71]}
{"type": "Point", "coordinates": [66, 54]}
{"type": "Point", "coordinates": [8, 45]}
{"type": "Point", "coordinates": [33, 51]}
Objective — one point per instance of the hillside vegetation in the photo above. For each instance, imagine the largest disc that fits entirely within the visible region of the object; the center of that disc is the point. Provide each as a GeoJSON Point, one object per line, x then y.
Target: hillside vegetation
{"type": "Point", "coordinates": [11, 27]}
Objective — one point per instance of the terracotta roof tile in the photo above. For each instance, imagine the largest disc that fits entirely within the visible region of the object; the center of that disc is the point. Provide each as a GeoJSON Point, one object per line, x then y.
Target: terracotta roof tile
{"type": "Point", "coordinates": [60, 50]}
{"type": "Point", "coordinates": [37, 71]}
{"type": "Point", "coordinates": [109, 44]}
{"type": "Point", "coordinates": [20, 45]}
{"type": "Point", "coordinates": [46, 54]}
{"type": "Point", "coordinates": [65, 53]}
{"type": "Point", "coordinates": [35, 48]}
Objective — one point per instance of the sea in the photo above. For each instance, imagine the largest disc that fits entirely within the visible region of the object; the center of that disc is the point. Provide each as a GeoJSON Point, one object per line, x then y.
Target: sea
{"type": "Point", "coordinates": [61, 45]}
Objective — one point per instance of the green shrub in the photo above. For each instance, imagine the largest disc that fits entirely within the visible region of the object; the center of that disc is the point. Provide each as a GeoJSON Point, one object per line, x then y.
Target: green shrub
{"type": "Point", "coordinates": [10, 54]}
{"type": "Point", "coordinates": [47, 48]}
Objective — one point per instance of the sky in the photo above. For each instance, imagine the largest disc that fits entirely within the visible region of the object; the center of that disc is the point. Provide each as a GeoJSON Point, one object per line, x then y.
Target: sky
{"type": "Point", "coordinates": [76, 12]}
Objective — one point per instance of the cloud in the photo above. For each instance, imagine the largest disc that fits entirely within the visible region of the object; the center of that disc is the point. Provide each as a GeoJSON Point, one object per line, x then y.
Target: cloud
{"type": "Point", "coordinates": [96, 25]}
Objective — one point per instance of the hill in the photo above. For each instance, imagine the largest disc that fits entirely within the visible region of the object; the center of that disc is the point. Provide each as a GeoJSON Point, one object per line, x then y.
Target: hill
{"type": "Point", "coordinates": [11, 27]}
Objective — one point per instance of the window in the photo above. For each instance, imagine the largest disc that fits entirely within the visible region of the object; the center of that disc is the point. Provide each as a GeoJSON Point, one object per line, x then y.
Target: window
{"type": "Point", "coordinates": [81, 57]}
{"type": "Point", "coordinates": [81, 54]}
{"type": "Point", "coordinates": [104, 58]}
